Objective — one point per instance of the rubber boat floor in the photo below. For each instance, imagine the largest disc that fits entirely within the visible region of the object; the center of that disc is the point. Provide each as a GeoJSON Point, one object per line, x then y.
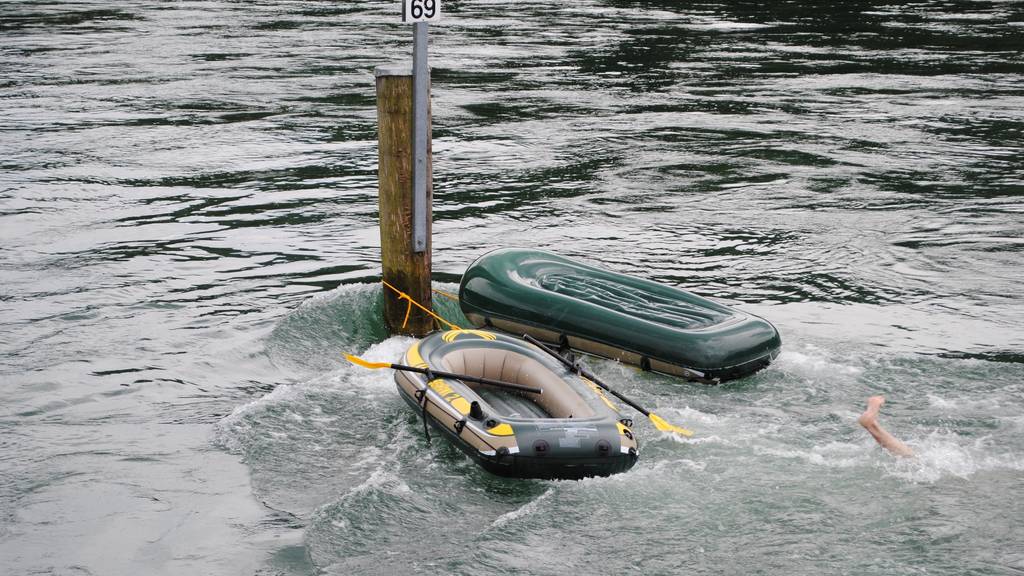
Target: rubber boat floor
{"type": "Point", "coordinates": [512, 406]}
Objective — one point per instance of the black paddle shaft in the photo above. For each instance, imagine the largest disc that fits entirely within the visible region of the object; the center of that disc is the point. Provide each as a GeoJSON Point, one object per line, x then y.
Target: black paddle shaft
{"type": "Point", "coordinates": [467, 378]}
{"type": "Point", "coordinates": [584, 373]}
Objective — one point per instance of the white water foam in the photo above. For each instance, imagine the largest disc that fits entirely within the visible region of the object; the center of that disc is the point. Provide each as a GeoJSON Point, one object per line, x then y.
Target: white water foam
{"type": "Point", "coordinates": [725, 26]}
{"type": "Point", "coordinates": [390, 350]}
{"type": "Point", "coordinates": [702, 439]}
{"type": "Point", "coordinates": [813, 362]}
{"type": "Point", "coordinates": [965, 403]}
{"type": "Point", "coordinates": [831, 455]}
{"type": "Point", "coordinates": [317, 300]}
{"type": "Point", "coordinates": [349, 379]}
{"type": "Point", "coordinates": [380, 479]}
{"type": "Point", "coordinates": [944, 454]}
{"type": "Point", "coordinates": [524, 510]}
{"type": "Point", "coordinates": [662, 466]}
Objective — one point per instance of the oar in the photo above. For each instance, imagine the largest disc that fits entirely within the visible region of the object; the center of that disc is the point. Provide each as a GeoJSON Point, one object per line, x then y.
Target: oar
{"type": "Point", "coordinates": [465, 377]}
{"type": "Point", "coordinates": [658, 421]}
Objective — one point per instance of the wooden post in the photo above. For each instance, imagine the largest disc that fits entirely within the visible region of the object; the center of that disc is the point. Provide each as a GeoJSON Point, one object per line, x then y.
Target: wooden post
{"type": "Point", "coordinates": [404, 268]}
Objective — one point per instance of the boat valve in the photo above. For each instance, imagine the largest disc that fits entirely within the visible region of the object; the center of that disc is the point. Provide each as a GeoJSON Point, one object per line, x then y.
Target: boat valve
{"type": "Point", "coordinates": [540, 448]}
{"type": "Point", "coordinates": [475, 411]}
{"type": "Point", "coordinates": [603, 447]}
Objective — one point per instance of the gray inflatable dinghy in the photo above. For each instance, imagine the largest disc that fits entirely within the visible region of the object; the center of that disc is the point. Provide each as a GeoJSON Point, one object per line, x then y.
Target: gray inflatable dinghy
{"type": "Point", "coordinates": [568, 429]}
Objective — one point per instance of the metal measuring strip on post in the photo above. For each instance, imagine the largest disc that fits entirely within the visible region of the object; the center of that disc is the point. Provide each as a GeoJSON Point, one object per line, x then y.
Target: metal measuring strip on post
{"type": "Point", "coordinates": [420, 12]}
{"type": "Point", "coordinates": [403, 116]}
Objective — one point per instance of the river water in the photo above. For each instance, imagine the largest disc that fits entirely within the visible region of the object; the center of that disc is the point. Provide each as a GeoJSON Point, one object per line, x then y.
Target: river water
{"type": "Point", "coordinates": [189, 242]}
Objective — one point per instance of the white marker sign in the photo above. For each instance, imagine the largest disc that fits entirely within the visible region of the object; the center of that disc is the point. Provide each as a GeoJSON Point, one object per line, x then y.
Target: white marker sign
{"type": "Point", "coordinates": [421, 10]}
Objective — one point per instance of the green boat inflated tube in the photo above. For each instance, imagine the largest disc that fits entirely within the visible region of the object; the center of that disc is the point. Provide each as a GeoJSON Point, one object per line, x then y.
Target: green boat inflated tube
{"type": "Point", "coordinates": [637, 321]}
{"type": "Point", "coordinates": [565, 428]}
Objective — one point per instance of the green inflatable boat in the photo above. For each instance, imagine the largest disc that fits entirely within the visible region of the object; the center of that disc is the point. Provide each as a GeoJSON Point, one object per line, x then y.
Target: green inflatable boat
{"type": "Point", "coordinates": [515, 410]}
{"type": "Point", "coordinates": [656, 327]}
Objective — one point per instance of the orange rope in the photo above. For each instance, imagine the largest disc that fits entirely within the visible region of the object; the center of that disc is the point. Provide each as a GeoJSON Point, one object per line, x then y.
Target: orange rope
{"type": "Point", "coordinates": [407, 298]}
{"type": "Point", "coordinates": [408, 310]}
{"type": "Point", "coordinates": [445, 294]}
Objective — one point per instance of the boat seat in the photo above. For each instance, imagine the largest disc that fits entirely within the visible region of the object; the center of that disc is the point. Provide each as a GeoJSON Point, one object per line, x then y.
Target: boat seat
{"type": "Point", "coordinates": [556, 398]}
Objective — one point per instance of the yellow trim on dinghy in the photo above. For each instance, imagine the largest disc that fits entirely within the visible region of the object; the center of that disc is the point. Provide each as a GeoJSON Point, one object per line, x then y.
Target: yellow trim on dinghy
{"type": "Point", "coordinates": [502, 429]}
{"type": "Point", "coordinates": [438, 385]}
{"type": "Point", "coordinates": [600, 393]}
{"type": "Point", "coordinates": [414, 357]}
{"type": "Point", "coordinates": [451, 335]}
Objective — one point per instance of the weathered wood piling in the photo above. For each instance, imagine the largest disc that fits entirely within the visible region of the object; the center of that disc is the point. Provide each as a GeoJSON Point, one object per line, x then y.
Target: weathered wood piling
{"type": "Point", "coordinates": [404, 268]}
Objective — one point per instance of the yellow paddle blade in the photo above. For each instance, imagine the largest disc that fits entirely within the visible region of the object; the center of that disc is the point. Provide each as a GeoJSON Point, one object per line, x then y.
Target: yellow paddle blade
{"type": "Point", "coordinates": [360, 362]}
{"type": "Point", "coordinates": [660, 424]}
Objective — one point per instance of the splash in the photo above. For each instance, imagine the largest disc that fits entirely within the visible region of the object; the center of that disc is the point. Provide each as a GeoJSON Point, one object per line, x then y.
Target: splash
{"type": "Point", "coordinates": [944, 454]}
{"type": "Point", "coordinates": [814, 361]}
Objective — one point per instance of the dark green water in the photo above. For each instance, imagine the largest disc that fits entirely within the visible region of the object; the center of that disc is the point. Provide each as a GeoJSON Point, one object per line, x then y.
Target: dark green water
{"type": "Point", "coordinates": [188, 231]}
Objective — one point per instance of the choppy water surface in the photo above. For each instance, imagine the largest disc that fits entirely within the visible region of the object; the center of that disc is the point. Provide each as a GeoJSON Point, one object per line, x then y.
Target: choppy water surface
{"type": "Point", "coordinates": [188, 222]}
